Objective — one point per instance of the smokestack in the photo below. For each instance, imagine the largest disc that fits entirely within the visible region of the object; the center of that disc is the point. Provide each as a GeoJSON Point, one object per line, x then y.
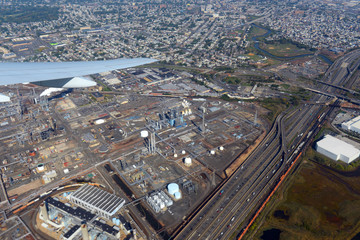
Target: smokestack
{"type": "Point", "coordinates": [44, 212]}
{"type": "Point", "coordinates": [134, 234]}
{"type": "Point", "coordinates": [85, 232]}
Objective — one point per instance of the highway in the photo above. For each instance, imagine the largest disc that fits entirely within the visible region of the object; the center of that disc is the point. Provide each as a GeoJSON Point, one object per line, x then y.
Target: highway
{"type": "Point", "coordinates": [241, 194]}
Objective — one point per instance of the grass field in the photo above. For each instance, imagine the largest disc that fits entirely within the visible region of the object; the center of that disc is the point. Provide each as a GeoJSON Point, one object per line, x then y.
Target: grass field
{"type": "Point", "coordinates": [316, 203]}
{"type": "Point", "coordinates": [284, 50]}
{"type": "Point", "coordinates": [256, 31]}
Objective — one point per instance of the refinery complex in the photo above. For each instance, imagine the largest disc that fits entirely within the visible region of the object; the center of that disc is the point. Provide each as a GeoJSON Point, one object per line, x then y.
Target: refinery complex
{"type": "Point", "coordinates": [93, 164]}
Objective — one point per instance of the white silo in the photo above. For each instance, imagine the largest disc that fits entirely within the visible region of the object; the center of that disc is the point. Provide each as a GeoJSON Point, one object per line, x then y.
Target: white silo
{"type": "Point", "coordinates": [187, 161]}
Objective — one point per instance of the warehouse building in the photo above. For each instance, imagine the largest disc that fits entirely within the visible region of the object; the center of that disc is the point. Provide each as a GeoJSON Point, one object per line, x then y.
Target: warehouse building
{"type": "Point", "coordinates": [337, 149]}
{"type": "Point", "coordinates": [97, 200]}
{"type": "Point", "coordinates": [352, 125]}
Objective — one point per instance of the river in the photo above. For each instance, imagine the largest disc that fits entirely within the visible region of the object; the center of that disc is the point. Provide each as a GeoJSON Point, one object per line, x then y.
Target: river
{"type": "Point", "coordinates": [256, 45]}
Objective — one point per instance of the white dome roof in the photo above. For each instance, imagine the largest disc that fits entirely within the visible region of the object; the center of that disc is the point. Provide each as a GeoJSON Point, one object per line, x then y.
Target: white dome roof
{"type": "Point", "coordinates": [173, 188]}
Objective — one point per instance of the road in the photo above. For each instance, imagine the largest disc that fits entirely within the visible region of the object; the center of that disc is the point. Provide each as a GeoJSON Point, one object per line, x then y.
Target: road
{"type": "Point", "coordinates": [241, 194]}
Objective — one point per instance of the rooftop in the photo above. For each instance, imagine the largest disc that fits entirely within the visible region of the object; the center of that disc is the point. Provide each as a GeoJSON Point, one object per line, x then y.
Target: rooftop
{"type": "Point", "coordinates": [337, 146]}
{"type": "Point", "coordinates": [97, 199]}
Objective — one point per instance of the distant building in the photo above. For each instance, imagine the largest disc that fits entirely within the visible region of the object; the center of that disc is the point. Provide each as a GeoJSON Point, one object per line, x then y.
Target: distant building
{"type": "Point", "coordinates": [337, 149]}
{"type": "Point", "coordinates": [99, 97]}
{"type": "Point", "coordinates": [352, 125]}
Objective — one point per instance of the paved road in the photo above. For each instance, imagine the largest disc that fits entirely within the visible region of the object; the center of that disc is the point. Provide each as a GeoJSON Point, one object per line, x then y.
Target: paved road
{"type": "Point", "coordinates": [248, 186]}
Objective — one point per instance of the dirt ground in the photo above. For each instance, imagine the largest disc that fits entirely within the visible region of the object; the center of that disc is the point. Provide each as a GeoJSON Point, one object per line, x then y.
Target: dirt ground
{"type": "Point", "coordinates": [24, 188]}
{"type": "Point", "coordinates": [232, 168]}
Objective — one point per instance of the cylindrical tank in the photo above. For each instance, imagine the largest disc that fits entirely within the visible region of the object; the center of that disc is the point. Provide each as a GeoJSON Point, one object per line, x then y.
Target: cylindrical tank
{"type": "Point", "coordinates": [221, 148]}
{"type": "Point", "coordinates": [187, 161]}
{"type": "Point", "coordinates": [177, 195]}
{"type": "Point", "coordinates": [173, 188]}
{"type": "Point", "coordinates": [212, 152]}
{"type": "Point", "coordinates": [183, 152]}
{"type": "Point", "coordinates": [144, 134]}
{"type": "Point", "coordinates": [99, 121]}
{"type": "Point", "coordinates": [175, 155]}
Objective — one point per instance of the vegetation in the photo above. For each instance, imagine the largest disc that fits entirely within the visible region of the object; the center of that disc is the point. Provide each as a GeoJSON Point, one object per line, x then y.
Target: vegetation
{"type": "Point", "coordinates": [23, 14]}
{"type": "Point", "coordinates": [315, 203]}
{"type": "Point", "coordinates": [225, 97]}
{"type": "Point", "coordinates": [247, 80]}
{"type": "Point", "coordinates": [275, 106]}
{"type": "Point", "coordinates": [338, 165]}
{"type": "Point", "coordinates": [277, 48]}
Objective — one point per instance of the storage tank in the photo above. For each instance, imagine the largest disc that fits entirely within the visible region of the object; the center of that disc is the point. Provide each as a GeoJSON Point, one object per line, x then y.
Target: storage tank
{"type": "Point", "coordinates": [40, 167]}
{"type": "Point", "coordinates": [173, 188]}
{"type": "Point", "coordinates": [175, 155]}
{"type": "Point", "coordinates": [183, 152]}
{"type": "Point", "coordinates": [177, 195]}
{"type": "Point", "coordinates": [144, 134]}
{"type": "Point", "coordinates": [221, 148]}
{"type": "Point", "coordinates": [99, 121]}
{"type": "Point", "coordinates": [212, 152]}
{"type": "Point", "coordinates": [187, 161]}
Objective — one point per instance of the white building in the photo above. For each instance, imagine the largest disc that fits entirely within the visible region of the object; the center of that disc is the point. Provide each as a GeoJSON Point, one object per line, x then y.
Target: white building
{"type": "Point", "coordinates": [337, 149]}
{"type": "Point", "coordinates": [352, 125]}
{"type": "Point", "coordinates": [97, 200]}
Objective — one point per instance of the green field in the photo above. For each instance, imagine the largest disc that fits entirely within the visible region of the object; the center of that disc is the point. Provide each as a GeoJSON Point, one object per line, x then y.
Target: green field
{"type": "Point", "coordinates": [315, 203]}
{"type": "Point", "coordinates": [256, 31]}
{"type": "Point", "coordinates": [284, 49]}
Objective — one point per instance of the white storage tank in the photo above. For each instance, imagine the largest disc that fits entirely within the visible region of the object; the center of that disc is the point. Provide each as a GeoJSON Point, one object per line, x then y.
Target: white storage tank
{"type": "Point", "coordinates": [144, 134]}
{"type": "Point", "coordinates": [187, 161]}
{"type": "Point", "coordinates": [177, 195]}
{"type": "Point", "coordinates": [173, 188]}
{"type": "Point", "coordinates": [99, 121]}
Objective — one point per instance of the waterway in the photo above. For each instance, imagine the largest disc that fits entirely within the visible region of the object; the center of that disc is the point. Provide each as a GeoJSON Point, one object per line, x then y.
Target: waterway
{"type": "Point", "coordinates": [256, 45]}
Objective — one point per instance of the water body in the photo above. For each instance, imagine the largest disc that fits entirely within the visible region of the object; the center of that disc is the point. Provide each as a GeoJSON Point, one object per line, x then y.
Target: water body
{"type": "Point", "coordinates": [256, 45]}
{"type": "Point", "coordinates": [357, 237]}
{"type": "Point", "coordinates": [271, 234]}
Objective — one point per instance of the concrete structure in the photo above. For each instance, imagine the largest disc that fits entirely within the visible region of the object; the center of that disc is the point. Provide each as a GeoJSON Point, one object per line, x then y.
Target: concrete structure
{"type": "Point", "coordinates": [84, 232]}
{"type": "Point", "coordinates": [337, 149]}
{"type": "Point", "coordinates": [97, 200]}
{"type": "Point", "coordinates": [43, 212]}
{"type": "Point", "coordinates": [352, 125]}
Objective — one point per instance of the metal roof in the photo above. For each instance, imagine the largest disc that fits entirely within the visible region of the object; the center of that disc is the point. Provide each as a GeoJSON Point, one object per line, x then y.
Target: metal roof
{"type": "Point", "coordinates": [337, 147]}
{"type": "Point", "coordinates": [98, 199]}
